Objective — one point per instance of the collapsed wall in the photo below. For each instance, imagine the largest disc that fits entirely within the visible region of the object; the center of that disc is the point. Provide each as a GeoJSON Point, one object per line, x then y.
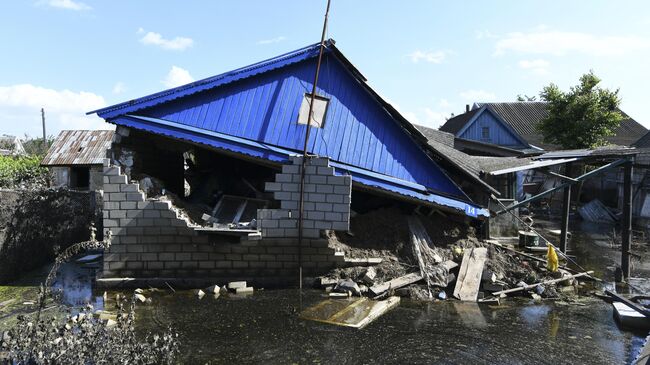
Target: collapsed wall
{"type": "Point", "coordinates": [151, 238]}
{"type": "Point", "coordinates": [36, 223]}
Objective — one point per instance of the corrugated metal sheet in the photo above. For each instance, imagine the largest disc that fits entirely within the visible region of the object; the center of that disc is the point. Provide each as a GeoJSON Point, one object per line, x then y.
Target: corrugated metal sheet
{"type": "Point", "coordinates": [260, 150]}
{"type": "Point", "coordinates": [78, 147]}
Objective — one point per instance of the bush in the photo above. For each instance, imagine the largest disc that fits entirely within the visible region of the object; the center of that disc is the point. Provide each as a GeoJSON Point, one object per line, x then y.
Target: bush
{"type": "Point", "coordinates": [22, 172]}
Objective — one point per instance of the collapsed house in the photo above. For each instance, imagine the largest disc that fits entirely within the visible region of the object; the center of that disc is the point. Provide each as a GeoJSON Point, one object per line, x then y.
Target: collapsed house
{"type": "Point", "coordinates": [76, 159]}
{"type": "Point", "coordinates": [203, 179]}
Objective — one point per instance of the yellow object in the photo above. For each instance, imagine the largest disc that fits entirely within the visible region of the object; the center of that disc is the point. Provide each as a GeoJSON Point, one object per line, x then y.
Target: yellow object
{"type": "Point", "coordinates": [551, 259]}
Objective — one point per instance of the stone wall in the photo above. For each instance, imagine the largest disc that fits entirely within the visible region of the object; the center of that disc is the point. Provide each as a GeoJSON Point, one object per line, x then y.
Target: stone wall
{"type": "Point", "coordinates": [151, 239]}
{"type": "Point", "coordinates": [326, 204]}
{"type": "Point", "coordinates": [33, 223]}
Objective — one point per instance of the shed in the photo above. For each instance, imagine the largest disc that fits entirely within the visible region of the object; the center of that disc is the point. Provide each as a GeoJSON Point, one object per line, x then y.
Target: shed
{"type": "Point", "coordinates": [76, 158]}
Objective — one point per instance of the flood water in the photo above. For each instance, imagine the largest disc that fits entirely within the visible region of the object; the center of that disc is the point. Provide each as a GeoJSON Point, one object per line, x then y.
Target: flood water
{"type": "Point", "coordinates": [265, 328]}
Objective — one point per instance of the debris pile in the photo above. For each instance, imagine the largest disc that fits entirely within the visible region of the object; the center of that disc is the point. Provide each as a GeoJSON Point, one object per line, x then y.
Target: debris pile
{"type": "Point", "coordinates": [429, 258]}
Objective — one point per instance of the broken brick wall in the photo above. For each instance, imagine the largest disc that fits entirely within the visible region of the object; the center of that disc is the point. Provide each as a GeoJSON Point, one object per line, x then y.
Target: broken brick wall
{"type": "Point", "coordinates": [151, 239]}
{"type": "Point", "coordinates": [326, 200]}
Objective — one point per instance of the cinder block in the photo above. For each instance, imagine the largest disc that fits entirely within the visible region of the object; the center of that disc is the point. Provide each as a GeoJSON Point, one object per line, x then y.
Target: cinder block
{"type": "Point", "coordinates": [155, 265]}
{"type": "Point", "coordinates": [332, 217]}
{"type": "Point", "coordinates": [289, 204]}
{"type": "Point", "coordinates": [314, 215]}
{"type": "Point", "coordinates": [280, 214]}
{"type": "Point", "coordinates": [240, 264]}
{"type": "Point", "coordinates": [172, 265]}
{"type": "Point", "coordinates": [310, 188]}
{"type": "Point", "coordinates": [319, 161]}
{"type": "Point", "coordinates": [322, 225]}
{"type": "Point", "coordinates": [291, 169]}
{"type": "Point", "coordinates": [274, 232]}
{"type": "Point", "coordinates": [342, 189]}
{"type": "Point", "coordinates": [335, 198]}
{"type": "Point", "coordinates": [341, 208]}
{"type": "Point", "coordinates": [105, 213]}
{"type": "Point", "coordinates": [111, 223]}
{"type": "Point", "coordinates": [162, 205]}
{"type": "Point", "coordinates": [135, 197]}
{"type": "Point", "coordinates": [128, 205]}
{"type": "Point", "coordinates": [134, 213]}
{"type": "Point", "coordinates": [317, 179]}
{"type": "Point", "coordinates": [134, 231]}
{"type": "Point", "coordinates": [316, 198]}
{"type": "Point", "coordinates": [268, 223]}
{"type": "Point", "coordinates": [284, 178]}
{"type": "Point", "coordinates": [291, 232]}
{"type": "Point", "coordinates": [336, 180]}
{"type": "Point", "coordinates": [149, 257]}
{"type": "Point", "coordinates": [118, 179]}
{"type": "Point", "coordinates": [282, 195]}
{"type": "Point", "coordinates": [340, 226]}
{"type": "Point", "coordinates": [111, 171]}
{"type": "Point", "coordinates": [130, 188]}
{"type": "Point", "coordinates": [147, 204]}
{"type": "Point", "coordinates": [272, 186]}
{"type": "Point", "coordinates": [125, 222]}
{"type": "Point", "coordinates": [183, 256]}
{"type": "Point", "coordinates": [134, 265]}
{"type": "Point", "coordinates": [189, 265]}
{"type": "Point", "coordinates": [223, 264]}
{"type": "Point", "coordinates": [118, 214]}
{"type": "Point", "coordinates": [111, 188]}
{"type": "Point", "coordinates": [151, 214]}
{"type": "Point", "coordinates": [251, 257]}
{"type": "Point", "coordinates": [288, 223]}
{"type": "Point", "coordinates": [200, 256]}
{"type": "Point", "coordinates": [325, 171]}
{"type": "Point", "coordinates": [206, 265]}
{"type": "Point", "coordinates": [151, 231]}
{"type": "Point", "coordinates": [135, 248]}
{"type": "Point", "coordinates": [325, 189]}
{"type": "Point", "coordinates": [290, 187]}
{"type": "Point", "coordinates": [145, 222]}
{"type": "Point", "coordinates": [111, 205]}
{"type": "Point", "coordinates": [162, 222]}
{"type": "Point", "coordinates": [168, 214]}
{"type": "Point", "coordinates": [116, 197]}
{"type": "Point", "coordinates": [324, 207]}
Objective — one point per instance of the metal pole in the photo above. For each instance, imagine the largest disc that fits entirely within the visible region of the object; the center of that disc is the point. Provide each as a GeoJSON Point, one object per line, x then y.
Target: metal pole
{"type": "Point", "coordinates": [626, 229]}
{"type": "Point", "coordinates": [43, 119]}
{"type": "Point", "coordinates": [566, 208]}
{"type": "Point", "coordinates": [304, 151]}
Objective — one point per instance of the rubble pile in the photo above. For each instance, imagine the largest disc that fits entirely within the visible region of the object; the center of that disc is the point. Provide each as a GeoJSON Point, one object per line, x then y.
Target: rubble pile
{"type": "Point", "coordinates": [452, 263]}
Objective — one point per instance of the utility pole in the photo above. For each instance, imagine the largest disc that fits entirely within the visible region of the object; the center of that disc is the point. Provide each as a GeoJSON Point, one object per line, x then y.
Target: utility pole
{"type": "Point", "coordinates": [43, 119]}
{"type": "Point", "coordinates": [304, 151]}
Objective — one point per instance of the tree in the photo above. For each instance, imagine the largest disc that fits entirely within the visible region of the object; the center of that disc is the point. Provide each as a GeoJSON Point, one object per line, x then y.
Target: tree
{"type": "Point", "coordinates": [526, 98]}
{"type": "Point", "coordinates": [582, 117]}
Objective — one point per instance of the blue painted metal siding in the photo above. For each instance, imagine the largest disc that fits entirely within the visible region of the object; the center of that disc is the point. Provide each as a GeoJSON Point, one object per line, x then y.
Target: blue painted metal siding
{"type": "Point", "coordinates": [498, 134]}
{"type": "Point", "coordinates": [264, 108]}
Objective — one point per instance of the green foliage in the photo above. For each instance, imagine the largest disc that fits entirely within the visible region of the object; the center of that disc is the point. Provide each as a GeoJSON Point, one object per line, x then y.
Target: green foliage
{"type": "Point", "coordinates": [582, 117]}
{"type": "Point", "coordinates": [526, 98]}
{"type": "Point", "coordinates": [22, 172]}
{"type": "Point", "coordinates": [36, 146]}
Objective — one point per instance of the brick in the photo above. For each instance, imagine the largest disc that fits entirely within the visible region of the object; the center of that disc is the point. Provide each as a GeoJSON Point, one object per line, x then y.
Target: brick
{"type": "Point", "coordinates": [291, 169]}
{"type": "Point", "coordinates": [320, 161]}
{"type": "Point", "coordinates": [111, 205]}
{"type": "Point", "coordinates": [130, 188]}
{"type": "Point", "coordinates": [324, 207]}
{"type": "Point", "coordinates": [207, 265]}
{"type": "Point", "coordinates": [135, 248]}
{"type": "Point", "coordinates": [135, 197]}
{"type": "Point", "coordinates": [111, 171]}
{"type": "Point", "coordinates": [251, 257]}
{"type": "Point", "coordinates": [314, 215]}
{"type": "Point", "coordinates": [325, 189]}
{"type": "Point", "coordinates": [340, 226]}
{"type": "Point", "coordinates": [172, 265]}
{"type": "Point", "coordinates": [333, 217]}
{"type": "Point", "coordinates": [344, 190]}
{"type": "Point", "coordinates": [223, 264]}
{"type": "Point", "coordinates": [155, 265]}
{"type": "Point", "coordinates": [283, 178]}
{"type": "Point", "coordinates": [116, 197]}
{"type": "Point", "coordinates": [291, 187]}
{"type": "Point", "coordinates": [189, 265]}
{"type": "Point", "coordinates": [118, 214]}
{"type": "Point", "coordinates": [341, 208]}
{"type": "Point", "coordinates": [125, 222]}
{"type": "Point", "coordinates": [335, 198]}
{"type": "Point", "coordinates": [289, 204]}
{"type": "Point", "coordinates": [282, 195]}
{"type": "Point", "coordinates": [316, 198]}
{"type": "Point", "coordinates": [111, 188]}
{"type": "Point", "coordinates": [200, 256]}
{"type": "Point", "coordinates": [135, 213]}
{"type": "Point", "coordinates": [183, 256]}
{"type": "Point", "coordinates": [151, 214]}
{"type": "Point", "coordinates": [322, 225]}
{"type": "Point", "coordinates": [128, 205]}
{"type": "Point", "coordinates": [336, 180]}
{"type": "Point", "coordinates": [239, 264]}
{"type": "Point", "coordinates": [325, 170]}
{"type": "Point", "coordinates": [168, 214]}
{"type": "Point", "coordinates": [149, 257]}
{"type": "Point", "coordinates": [134, 265]}
{"type": "Point", "coordinates": [317, 179]}
{"type": "Point", "coordinates": [272, 186]}
{"type": "Point", "coordinates": [111, 223]}
{"type": "Point", "coordinates": [117, 179]}
{"type": "Point", "coordinates": [162, 205]}
{"type": "Point", "coordinates": [145, 205]}
{"type": "Point", "coordinates": [288, 223]}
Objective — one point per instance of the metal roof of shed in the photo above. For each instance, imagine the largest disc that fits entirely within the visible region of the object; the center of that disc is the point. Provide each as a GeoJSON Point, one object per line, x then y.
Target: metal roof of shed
{"type": "Point", "coordinates": [79, 147]}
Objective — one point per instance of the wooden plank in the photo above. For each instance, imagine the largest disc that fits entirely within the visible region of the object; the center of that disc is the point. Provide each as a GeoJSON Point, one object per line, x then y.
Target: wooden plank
{"type": "Point", "coordinates": [378, 310]}
{"type": "Point", "coordinates": [396, 283]}
{"type": "Point", "coordinates": [356, 313]}
{"type": "Point", "coordinates": [528, 287]}
{"type": "Point", "coordinates": [469, 275]}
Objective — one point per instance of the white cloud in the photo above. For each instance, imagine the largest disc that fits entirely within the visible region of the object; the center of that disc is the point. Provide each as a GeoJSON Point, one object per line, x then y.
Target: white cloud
{"type": "Point", "coordinates": [20, 110]}
{"type": "Point", "coordinates": [177, 76]}
{"type": "Point", "coordinates": [444, 103]}
{"type": "Point", "coordinates": [538, 66]}
{"type": "Point", "coordinates": [429, 57]}
{"type": "Point", "coordinates": [422, 116]}
{"type": "Point", "coordinates": [156, 39]}
{"type": "Point", "coordinates": [272, 40]}
{"type": "Point", "coordinates": [66, 4]}
{"type": "Point", "coordinates": [477, 95]}
{"type": "Point", "coordinates": [558, 43]}
{"type": "Point", "coordinates": [119, 88]}
{"type": "Point", "coordinates": [484, 34]}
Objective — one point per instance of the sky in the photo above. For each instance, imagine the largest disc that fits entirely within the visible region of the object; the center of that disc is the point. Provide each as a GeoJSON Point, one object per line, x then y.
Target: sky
{"type": "Point", "coordinates": [427, 58]}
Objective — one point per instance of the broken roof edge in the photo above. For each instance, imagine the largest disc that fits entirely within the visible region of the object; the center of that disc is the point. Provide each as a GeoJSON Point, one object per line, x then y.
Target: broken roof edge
{"type": "Point", "coordinates": [261, 151]}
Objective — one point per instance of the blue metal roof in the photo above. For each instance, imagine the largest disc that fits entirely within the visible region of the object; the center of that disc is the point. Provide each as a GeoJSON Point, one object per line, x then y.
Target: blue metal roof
{"type": "Point", "coordinates": [258, 117]}
{"type": "Point", "coordinates": [280, 155]}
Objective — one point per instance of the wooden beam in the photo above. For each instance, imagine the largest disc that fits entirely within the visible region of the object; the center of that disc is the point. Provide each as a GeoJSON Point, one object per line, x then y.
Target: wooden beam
{"type": "Point", "coordinates": [396, 283]}
{"type": "Point", "coordinates": [559, 176]}
{"type": "Point", "coordinates": [528, 287]}
{"type": "Point", "coordinates": [469, 274]}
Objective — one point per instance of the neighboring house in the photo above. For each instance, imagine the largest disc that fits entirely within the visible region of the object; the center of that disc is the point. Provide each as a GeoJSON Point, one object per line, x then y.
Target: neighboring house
{"type": "Point", "coordinates": [244, 129]}
{"type": "Point", "coordinates": [11, 145]}
{"type": "Point", "coordinates": [512, 125]}
{"type": "Point", "coordinates": [76, 158]}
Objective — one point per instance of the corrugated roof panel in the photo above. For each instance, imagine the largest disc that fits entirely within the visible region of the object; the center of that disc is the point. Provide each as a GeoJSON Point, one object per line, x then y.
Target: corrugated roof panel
{"type": "Point", "coordinates": [79, 147]}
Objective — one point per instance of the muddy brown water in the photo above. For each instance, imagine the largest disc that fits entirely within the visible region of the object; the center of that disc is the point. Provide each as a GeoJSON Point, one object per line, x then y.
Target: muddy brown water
{"type": "Point", "coordinates": [264, 327]}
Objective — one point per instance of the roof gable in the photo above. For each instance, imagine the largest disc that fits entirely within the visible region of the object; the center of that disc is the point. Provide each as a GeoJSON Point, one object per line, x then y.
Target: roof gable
{"type": "Point", "coordinates": [360, 128]}
{"type": "Point", "coordinates": [499, 132]}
